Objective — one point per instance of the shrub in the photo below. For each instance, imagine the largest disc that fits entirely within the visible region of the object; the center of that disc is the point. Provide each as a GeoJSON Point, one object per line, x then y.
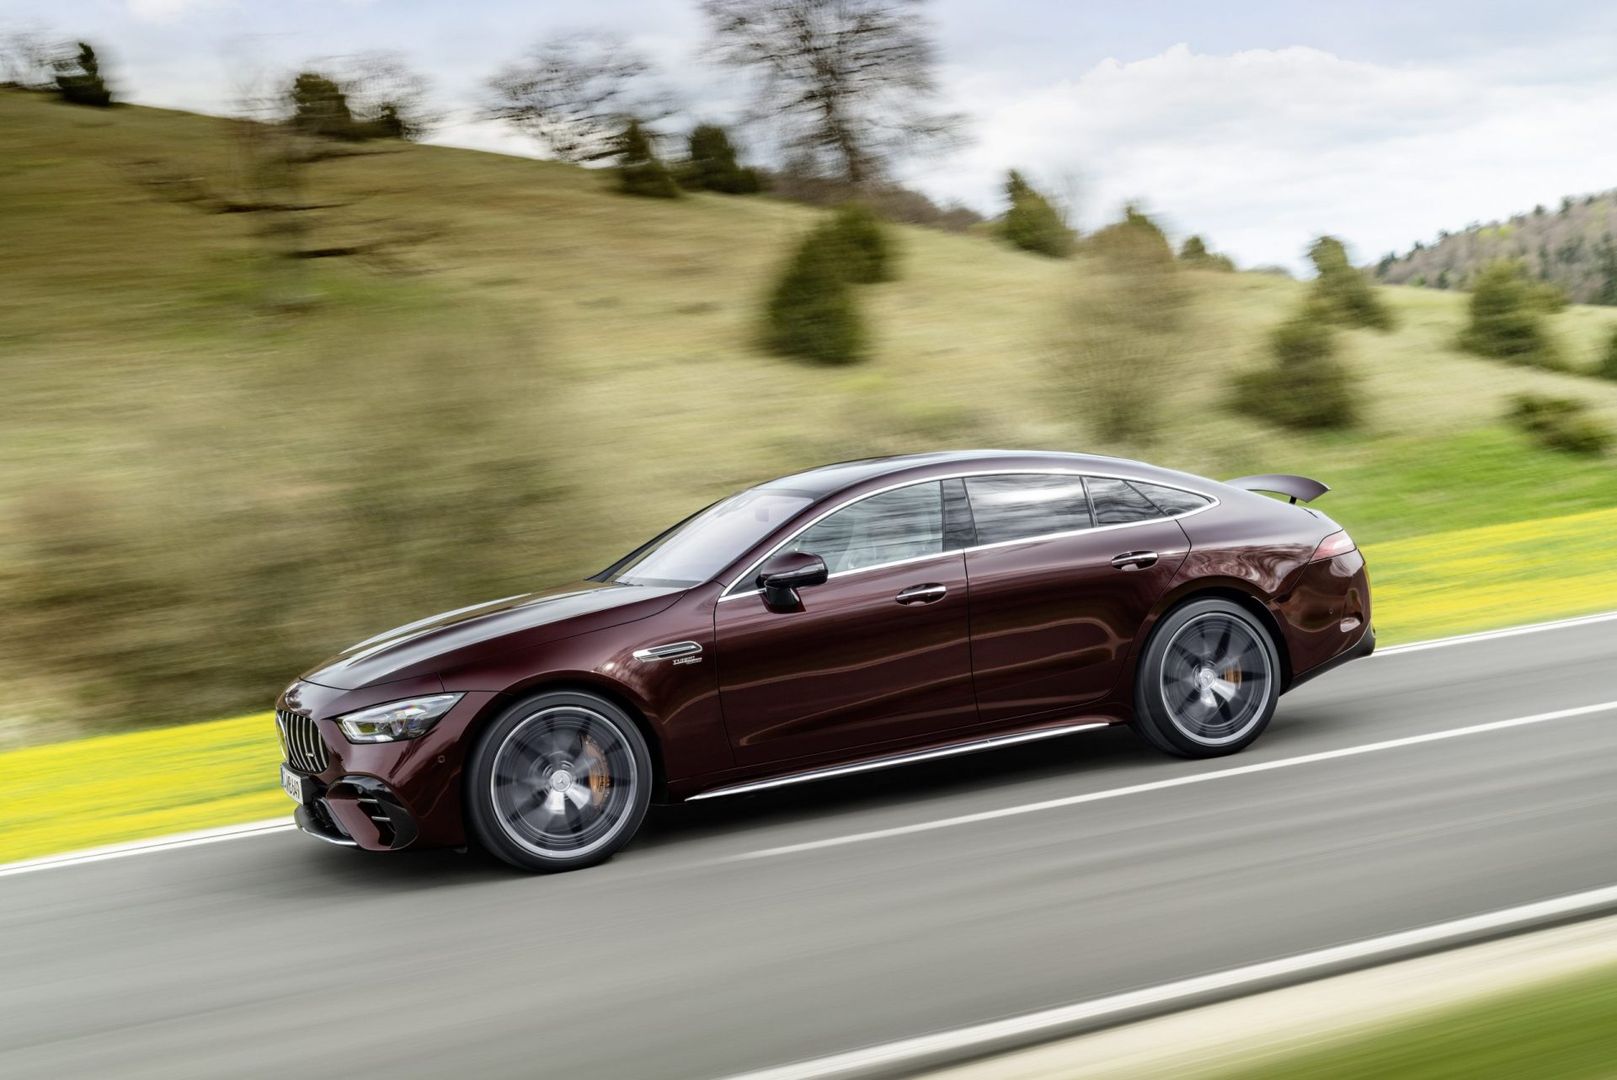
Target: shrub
{"type": "Point", "coordinates": [812, 312]}
{"type": "Point", "coordinates": [78, 78]}
{"type": "Point", "coordinates": [320, 107]}
{"type": "Point", "coordinates": [1033, 223]}
{"type": "Point", "coordinates": [1307, 386]}
{"type": "Point", "coordinates": [1507, 321]}
{"type": "Point", "coordinates": [1345, 294]}
{"type": "Point", "coordinates": [1560, 423]}
{"type": "Point", "coordinates": [867, 256]}
{"type": "Point", "coordinates": [639, 170]}
{"type": "Point", "coordinates": [711, 164]}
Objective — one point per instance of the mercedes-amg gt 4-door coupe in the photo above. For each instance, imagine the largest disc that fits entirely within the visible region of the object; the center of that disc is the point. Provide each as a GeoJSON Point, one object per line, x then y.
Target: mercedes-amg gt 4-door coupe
{"type": "Point", "coordinates": [852, 617]}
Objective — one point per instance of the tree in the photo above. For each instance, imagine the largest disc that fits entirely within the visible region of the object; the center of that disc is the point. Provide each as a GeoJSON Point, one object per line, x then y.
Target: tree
{"type": "Point", "coordinates": [1507, 319]}
{"type": "Point", "coordinates": [1345, 294]}
{"type": "Point", "coordinates": [852, 81]}
{"type": "Point", "coordinates": [866, 257]}
{"type": "Point", "coordinates": [1305, 386]}
{"type": "Point", "coordinates": [1125, 332]}
{"type": "Point", "coordinates": [26, 60]}
{"type": "Point", "coordinates": [1032, 222]}
{"type": "Point", "coordinates": [711, 164]}
{"type": "Point", "coordinates": [575, 94]}
{"type": "Point", "coordinates": [812, 312]}
{"type": "Point", "coordinates": [320, 107]}
{"type": "Point", "coordinates": [640, 172]}
{"type": "Point", "coordinates": [1194, 252]}
{"type": "Point", "coordinates": [78, 78]}
{"type": "Point", "coordinates": [389, 99]}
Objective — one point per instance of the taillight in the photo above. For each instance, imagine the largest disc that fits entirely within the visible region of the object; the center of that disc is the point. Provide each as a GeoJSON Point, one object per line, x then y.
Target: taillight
{"type": "Point", "coordinates": [1338, 543]}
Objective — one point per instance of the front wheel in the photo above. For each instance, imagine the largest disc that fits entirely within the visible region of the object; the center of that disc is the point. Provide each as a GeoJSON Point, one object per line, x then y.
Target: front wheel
{"type": "Point", "coordinates": [1208, 682]}
{"type": "Point", "coordinates": [562, 780]}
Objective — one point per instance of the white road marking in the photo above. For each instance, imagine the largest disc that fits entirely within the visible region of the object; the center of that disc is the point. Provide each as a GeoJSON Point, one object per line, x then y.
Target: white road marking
{"type": "Point", "coordinates": [171, 842]}
{"type": "Point", "coordinates": [1493, 635]}
{"type": "Point", "coordinates": [261, 828]}
{"type": "Point", "coordinates": [1178, 781]}
{"type": "Point", "coordinates": [1050, 1023]}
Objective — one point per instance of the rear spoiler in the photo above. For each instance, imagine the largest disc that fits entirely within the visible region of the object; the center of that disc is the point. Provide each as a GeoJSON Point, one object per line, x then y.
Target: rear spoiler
{"type": "Point", "coordinates": [1293, 487]}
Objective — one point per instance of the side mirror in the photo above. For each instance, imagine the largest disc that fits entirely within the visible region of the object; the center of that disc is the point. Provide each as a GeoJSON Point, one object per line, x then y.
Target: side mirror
{"type": "Point", "coordinates": [784, 574]}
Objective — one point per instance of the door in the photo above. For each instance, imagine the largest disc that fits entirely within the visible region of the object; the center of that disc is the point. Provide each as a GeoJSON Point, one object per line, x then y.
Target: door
{"type": "Point", "coordinates": [879, 653]}
{"type": "Point", "coordinates": [1059, 588]}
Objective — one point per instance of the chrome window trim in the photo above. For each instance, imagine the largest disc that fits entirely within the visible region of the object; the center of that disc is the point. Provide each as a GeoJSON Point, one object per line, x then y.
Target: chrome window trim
{"type": "Point", "coordinates": [730, 594]}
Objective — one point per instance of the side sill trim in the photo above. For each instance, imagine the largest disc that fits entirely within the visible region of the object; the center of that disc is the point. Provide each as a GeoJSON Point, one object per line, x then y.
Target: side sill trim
{"type": "Point", "coordinates": [892, 761]}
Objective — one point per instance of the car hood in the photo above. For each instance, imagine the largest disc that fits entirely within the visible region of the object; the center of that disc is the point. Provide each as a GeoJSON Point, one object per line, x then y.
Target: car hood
{"type": "Point", "coordinates": [452, 638]}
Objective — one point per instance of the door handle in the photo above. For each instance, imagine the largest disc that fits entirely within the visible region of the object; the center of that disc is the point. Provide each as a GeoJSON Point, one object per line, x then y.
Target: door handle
{"type": "Point", "coordinates": [1134, 560]}
{"type": "Point", "coordinates": [922, 594]}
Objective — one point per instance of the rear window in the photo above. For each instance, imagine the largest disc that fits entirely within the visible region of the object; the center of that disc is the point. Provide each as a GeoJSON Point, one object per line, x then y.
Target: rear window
{"type": "Point", "coordinates": [1172, 500]}
{"type": "Point", "coordinates": [1022, 506]}
{"type": "Point", "coordinates": [1117, 503]}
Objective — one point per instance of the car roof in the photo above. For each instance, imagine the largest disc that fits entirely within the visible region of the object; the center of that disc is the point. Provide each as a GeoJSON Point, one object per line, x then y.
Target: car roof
{"type": "Point", "coordinates": [829, 479]}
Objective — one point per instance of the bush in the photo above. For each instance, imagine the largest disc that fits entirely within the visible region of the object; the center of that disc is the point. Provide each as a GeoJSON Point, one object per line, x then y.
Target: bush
{"type": "Point", "coordinates": [639, 170]}
{"type": "Point", "coordinates": [711, 164]}
{"type": "Point", "coordinates": [1306, 386]}
{"type": "Point", "coordinates": [1032, 223]}
{"type": "Point", "coordinates": [1342, 292]}
{"type": "Point", "coordinates": [1507, 321]}
{"type": "Point", "coordinates": [867, 256]}
{"type": "Point", "coordinates": [812, 312]}
{"type": "Point", "coordinates": [1136, 241]}
{"type": "Point", "coordinates": [1560, 423]}
{"type": "Point", "coordinates": [78, 78]}
{"type": "Point", "coordinates": [320, 107]}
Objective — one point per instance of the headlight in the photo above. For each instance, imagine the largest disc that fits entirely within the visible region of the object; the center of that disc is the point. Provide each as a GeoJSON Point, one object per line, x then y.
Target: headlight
{"type": "Point", "coordinates": [406, 719]}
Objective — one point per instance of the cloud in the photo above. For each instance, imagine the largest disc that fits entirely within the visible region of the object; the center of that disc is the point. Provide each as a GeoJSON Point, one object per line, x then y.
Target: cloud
{"type": "Point", "coordinates": [1264, 149]}
{"type": "Point", "coordinates": [166, 10]}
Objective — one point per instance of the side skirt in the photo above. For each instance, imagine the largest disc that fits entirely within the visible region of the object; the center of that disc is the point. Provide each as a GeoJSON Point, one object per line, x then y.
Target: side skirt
{"type": "Point", "coordinates": [894, 760]}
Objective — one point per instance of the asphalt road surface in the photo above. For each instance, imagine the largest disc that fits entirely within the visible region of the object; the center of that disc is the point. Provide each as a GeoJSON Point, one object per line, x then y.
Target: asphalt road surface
{"type": "Point", "coordinates": [703, 950]}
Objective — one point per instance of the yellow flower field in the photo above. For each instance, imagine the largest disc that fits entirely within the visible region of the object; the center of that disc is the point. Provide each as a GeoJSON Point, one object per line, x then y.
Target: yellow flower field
{"type": "Point", "coordinates": [113, 788]}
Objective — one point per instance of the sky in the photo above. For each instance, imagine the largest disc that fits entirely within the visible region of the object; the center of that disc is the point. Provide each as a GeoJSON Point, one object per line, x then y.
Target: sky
{"type": "Point", "coordinates": [1258, 125]}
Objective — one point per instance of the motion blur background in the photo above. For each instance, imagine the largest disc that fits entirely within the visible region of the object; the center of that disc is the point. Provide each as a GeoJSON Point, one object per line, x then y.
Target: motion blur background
{"type": "Point", "coordinates": [319, 318]}
{"type": "Point", "coordinates": [281, 373]}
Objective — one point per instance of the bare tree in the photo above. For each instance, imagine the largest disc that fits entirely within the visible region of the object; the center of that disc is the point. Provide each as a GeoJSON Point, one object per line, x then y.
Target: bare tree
{"type": "Point", "coordinates": [575, 94]}
{"type": "Point", "coordinates": [26, 60]}
{"type": "Point", "coordinates": [853, 80]}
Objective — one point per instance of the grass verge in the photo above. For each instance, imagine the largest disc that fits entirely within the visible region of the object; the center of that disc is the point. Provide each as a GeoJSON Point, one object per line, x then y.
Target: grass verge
{"type": "Point", "coordinates": [196, 776]}
{"type": "Point", "coordinates": [1565, 1029]}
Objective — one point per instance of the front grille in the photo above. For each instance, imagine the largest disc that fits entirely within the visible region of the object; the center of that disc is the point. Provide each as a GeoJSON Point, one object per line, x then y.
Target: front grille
{"type": "Point", "coordinates": [305, 750]}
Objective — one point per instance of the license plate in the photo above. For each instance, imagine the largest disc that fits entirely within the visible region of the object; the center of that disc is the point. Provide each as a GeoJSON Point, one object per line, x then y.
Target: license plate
{"type": "Point", "coordinates": [299, 787]}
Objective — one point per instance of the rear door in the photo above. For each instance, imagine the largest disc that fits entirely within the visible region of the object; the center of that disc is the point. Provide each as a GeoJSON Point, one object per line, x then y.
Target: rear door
{"type": "Point", "coordinates": [1061, 579]}
{"type": "Point", "coordinates": [878, 654]}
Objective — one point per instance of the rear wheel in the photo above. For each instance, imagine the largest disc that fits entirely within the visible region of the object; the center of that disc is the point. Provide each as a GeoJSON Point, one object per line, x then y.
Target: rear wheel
{"type": "Point", "coordinates": [560, 781]}
{"type": "Point", "coordinates": [1208, 682]}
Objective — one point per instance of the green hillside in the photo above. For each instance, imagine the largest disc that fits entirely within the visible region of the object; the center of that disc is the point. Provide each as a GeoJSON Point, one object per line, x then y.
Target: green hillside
{"type": "Point", "coordinates": [204, 492]}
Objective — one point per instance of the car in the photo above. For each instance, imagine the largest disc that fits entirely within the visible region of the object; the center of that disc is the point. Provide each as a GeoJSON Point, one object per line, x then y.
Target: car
{"type": "Point", "coordinates": [848, 618]}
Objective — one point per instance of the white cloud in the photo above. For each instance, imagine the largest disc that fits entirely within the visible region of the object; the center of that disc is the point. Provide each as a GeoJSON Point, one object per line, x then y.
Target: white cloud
{"type": "Point", "coordinates": [1263, 150]}
{"type": "Point", "coordinates": [166, 10]}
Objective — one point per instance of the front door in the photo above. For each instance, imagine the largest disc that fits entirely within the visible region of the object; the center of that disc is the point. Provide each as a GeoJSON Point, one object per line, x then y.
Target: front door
{"type": "Point", "coordinates": [878, 654]}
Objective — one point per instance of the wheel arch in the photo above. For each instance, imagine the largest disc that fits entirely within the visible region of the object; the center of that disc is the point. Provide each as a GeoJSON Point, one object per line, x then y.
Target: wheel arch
{"type": "Point", "coordinates": [586, 684]}
{"type": "Point", "coordinates": [1232, 590]}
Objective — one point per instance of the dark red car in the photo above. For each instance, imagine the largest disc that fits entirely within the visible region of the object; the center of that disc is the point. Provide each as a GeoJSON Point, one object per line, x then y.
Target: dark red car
{"type": "Point", "coordinates": [851, 617]}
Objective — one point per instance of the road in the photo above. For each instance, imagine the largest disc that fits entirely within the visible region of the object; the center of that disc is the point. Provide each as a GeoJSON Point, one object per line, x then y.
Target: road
{"type": "Point", "coordinates": [705, 950]}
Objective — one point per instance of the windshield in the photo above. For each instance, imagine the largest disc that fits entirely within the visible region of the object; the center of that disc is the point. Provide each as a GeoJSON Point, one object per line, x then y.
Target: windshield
{"type": "Point", "coordinates": [699, 547]}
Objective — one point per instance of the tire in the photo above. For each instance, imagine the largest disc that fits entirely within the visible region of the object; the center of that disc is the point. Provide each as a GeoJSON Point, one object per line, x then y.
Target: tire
{"type": "Point", "coordinates": [559, 782]}
{"type": "Point", "coordinates": [1208, 682]}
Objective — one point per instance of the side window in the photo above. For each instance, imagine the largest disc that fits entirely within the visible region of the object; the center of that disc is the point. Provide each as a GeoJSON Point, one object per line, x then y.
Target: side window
{"type": "Point", "coordinates": [1026, 505]}
{"type": "Point", "coordinates": [906, 523]}
{"type": "Point", "coordinates": [1172, 500]}
{"type": "Point", "coordinates": [1116, 503]}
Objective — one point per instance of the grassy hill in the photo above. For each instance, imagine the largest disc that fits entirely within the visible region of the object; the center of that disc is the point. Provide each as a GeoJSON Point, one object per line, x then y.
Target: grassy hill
{"type": "Point", "coordinates": [1571, 245]}
{"type": "Point", "coordinates": [204, 493]}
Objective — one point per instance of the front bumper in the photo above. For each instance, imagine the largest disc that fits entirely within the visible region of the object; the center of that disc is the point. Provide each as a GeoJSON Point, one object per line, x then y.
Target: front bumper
{"type": "Point", "coordinates": [380, 796]}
